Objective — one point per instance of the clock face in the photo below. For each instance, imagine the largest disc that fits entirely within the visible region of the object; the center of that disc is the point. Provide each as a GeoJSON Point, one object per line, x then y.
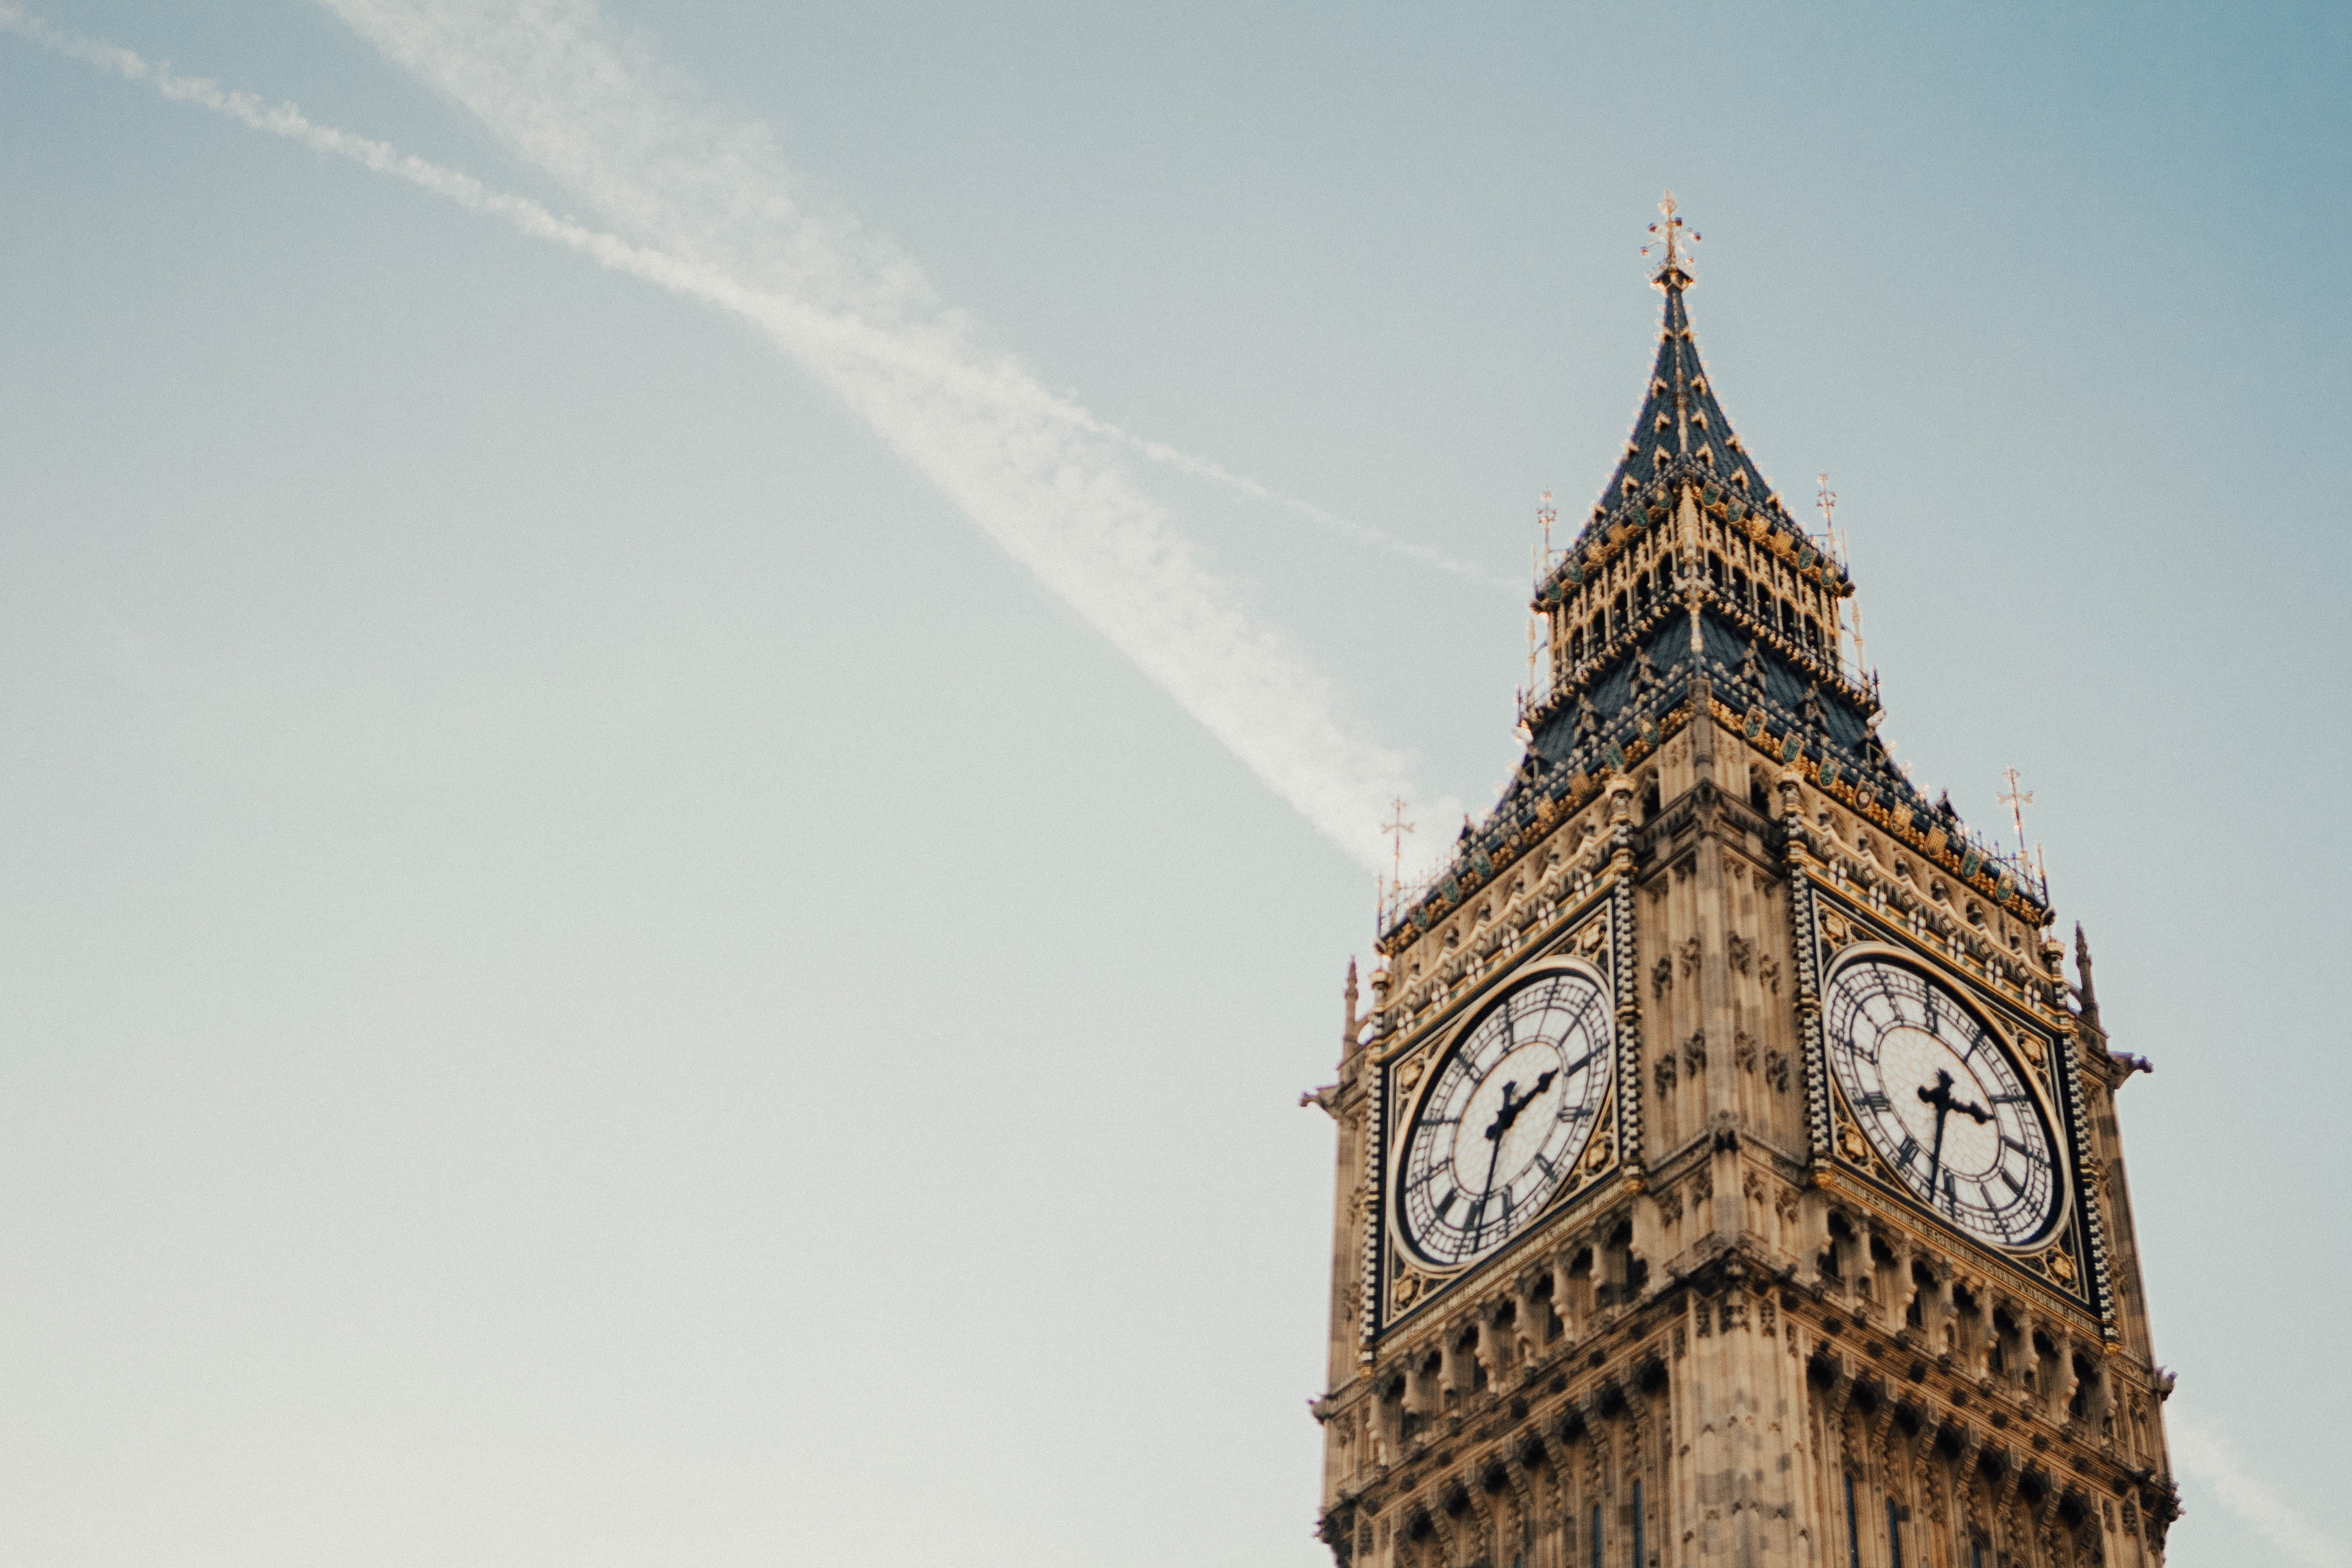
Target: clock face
{"type": "Point", "coordinates": [1938, 1096]}
{"type": "Point", "coordinates": [1506, 1114]}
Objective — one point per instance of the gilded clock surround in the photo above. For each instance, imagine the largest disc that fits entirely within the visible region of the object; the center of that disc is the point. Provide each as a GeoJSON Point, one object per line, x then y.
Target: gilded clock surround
{"type": "Point", "coordinates": [1735, 1307]}
{"type": "Point", "coordinates": [1578, 931]}
{"type": "Point", "coordinates": [2029, 1055]}
{"type": "Point", "coordinates": [1419, 1076]}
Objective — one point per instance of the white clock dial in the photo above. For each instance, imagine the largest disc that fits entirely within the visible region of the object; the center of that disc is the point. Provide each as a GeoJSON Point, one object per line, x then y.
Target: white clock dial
{"type": "Point", "coordinates": [1506, 1114]}
{"type": "Point", "coordinates": [1935, 1091]}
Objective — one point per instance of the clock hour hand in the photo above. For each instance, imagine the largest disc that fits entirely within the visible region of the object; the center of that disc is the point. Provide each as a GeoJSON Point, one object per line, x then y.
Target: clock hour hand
{"type": "Point", "coordinates": [1508, 1114]}
{"type": "Point", "coordinates": [1512, 1105]}
{"type": "Point", "coordinates": [1940, 1097]}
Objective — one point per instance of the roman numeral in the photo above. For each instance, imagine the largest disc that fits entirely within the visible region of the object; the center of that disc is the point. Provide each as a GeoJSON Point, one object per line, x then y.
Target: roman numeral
{"type": "Point", "coordinates": [1910, 1149]}
{"type": "Point", "coordinates": [1876, 1100]}
{"type": "Point", "coordinates": [1591, 999]}
{"type": "Point", "coordinates": [1579, 1065]}
{"type": "Point", "coordinates": [1447, 1202]}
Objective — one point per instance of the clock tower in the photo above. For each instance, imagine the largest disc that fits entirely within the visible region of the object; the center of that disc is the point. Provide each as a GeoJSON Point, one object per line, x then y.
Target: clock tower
{"type": "Point", "coordinates": [1728, 1171]}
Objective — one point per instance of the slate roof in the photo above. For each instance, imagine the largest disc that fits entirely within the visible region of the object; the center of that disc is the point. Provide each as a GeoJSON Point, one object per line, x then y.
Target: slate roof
{"type": "Point", "coordinates": [1795, 704]}
{"type": "Point", "coordinates": [1679, 415]}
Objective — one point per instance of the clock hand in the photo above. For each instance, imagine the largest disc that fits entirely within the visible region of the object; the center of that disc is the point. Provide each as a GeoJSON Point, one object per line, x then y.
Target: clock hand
{"type": "Point", "coordinates": [1940, 1097]}
{"type": "Point", "coordinates": [1509, 1113]}
{"type": "Point", "coordinates": [1495, 1131]}
{"type": "Point", "coordinates": [1936, 1158]}
{"type": "Point", "coordinates": [1508, 1116]}
{"type": "Point", "coordinates": [1489, 1187]}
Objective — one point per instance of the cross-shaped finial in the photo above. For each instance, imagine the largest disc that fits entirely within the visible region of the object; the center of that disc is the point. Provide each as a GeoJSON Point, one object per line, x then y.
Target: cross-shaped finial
{"type": "Point", "coordinates": [1675, 261]}
{"type": "Point", "coordinates": [2017, 800]}
{"type": "Point", "coordinates": [1826, 499]}
{"type": "Point", "coordinates": [1396, 828]}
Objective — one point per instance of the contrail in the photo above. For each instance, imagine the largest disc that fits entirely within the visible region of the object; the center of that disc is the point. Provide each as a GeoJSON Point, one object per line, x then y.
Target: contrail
{"type": "Point", "coordinates": [552, 79]}
{"type": "Point", "coordinates": [1038, 472]}
{"type": "Point", "coordinates": [2205, 1458]}
{"type": "Point", "coordinates": [772, 310]}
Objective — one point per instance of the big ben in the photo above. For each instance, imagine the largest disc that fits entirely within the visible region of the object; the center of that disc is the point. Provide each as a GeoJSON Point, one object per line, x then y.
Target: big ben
{"type": "Point", "coordinates": [1727, 1171]}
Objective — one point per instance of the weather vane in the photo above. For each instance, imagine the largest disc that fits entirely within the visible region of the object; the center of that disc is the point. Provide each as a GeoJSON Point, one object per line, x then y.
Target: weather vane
{"type": "Point", "coordinates": [1669, 229]}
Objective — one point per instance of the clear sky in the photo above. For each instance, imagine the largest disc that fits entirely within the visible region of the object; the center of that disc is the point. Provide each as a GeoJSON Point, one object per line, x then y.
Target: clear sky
{"type": "Point", "coordinates": [678, 827]}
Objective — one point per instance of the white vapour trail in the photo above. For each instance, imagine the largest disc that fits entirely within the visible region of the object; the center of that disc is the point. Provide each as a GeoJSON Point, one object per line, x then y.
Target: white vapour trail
{"type": "Point", "coordinates": [286, 119]}
{"type": "Point", "coordinates": [552, 78]}
{"type": "Point", "coordinates": [1038, 472]}
{"type": "Point", "coordinates": [2204, 1456]}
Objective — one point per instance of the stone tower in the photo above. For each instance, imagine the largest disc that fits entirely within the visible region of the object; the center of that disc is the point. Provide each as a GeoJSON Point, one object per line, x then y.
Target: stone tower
{"type": "Point", "coordinates": [1728, 1173]}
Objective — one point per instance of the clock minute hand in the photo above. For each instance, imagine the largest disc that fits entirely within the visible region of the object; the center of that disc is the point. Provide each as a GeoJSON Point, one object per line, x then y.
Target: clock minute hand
{"type": "Point", "coordinates": [1940, 1097]}
{"type": "Point", "coordinates": [1495, 1131]}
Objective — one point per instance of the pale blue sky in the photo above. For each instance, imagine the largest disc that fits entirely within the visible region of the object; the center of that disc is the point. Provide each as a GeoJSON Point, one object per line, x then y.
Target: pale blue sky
{"type": "Point", "coordinates": [598, 976]}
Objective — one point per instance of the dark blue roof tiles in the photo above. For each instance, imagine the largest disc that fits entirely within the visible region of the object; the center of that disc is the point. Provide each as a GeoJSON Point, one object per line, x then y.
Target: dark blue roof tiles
{"type": "Point", "coordinates": [1655, 424]}
{"type": "Point", "coordinates": [1679, 417]}
{"type": "Point", "coordinates": [1792, 698]}
{"type": "Point", "coordinates": [1669, 649]}
{"type": "Point", "coordinates": [1711, 440]}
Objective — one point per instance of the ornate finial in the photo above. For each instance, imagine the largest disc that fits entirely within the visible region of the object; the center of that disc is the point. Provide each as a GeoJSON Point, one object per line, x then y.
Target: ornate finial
{"type": "Point", "coordinates": [1843, 610]}
{"type": "Point", "coordinates": [1396, 828]}
{"type": "Point", "coordinates": [1672, 243]}
{"type": "Point", "coordinates": [2017, 800]}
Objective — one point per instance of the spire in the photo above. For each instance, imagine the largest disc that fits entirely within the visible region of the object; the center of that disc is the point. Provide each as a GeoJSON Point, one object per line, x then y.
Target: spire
{"type": "Point", "coordinates": [2086, 991]}
{"type": "Point", "coordinates": [1679, 417]}
{"type": "Point", "coordinates": [1690, 592]}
